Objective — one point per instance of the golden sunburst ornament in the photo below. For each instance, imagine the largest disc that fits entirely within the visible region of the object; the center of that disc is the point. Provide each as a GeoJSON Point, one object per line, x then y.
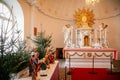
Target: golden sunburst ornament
{"type": "Point", "coordinates": [84, 16]}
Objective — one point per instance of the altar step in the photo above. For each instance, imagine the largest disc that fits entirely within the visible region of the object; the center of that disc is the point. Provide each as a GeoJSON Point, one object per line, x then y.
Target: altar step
{"type": "Point", "coordinates": [89, 60]}
{"type": "Point", "coordinates": [88, 63]}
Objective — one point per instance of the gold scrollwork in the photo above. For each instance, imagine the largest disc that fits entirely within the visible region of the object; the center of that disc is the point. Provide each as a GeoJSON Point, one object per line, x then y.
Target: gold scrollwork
{"type": "Point", "coordinates": [103, 54]}
{"type": "Point", "coordinates": [68, 54]}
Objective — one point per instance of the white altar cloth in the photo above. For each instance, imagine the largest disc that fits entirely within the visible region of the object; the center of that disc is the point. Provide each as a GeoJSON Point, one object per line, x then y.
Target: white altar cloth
{"type": "Point", "coordinates": [83, 57]}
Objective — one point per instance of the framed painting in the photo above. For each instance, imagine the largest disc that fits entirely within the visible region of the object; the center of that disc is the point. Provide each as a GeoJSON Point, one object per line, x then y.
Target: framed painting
{"type": "Point", "coordinates": [35, 31]}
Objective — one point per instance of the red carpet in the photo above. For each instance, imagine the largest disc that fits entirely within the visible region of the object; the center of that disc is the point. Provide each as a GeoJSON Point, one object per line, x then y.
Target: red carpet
{"type": "Point", "coordinates": [101, 74]}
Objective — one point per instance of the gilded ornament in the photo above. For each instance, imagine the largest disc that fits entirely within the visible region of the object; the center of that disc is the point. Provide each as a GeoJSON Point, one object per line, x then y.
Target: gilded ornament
{"type": "Point", "coordinates": [83, 17]}
{"type": "Point", "coordinates": [103, 54]}
{"type": "Point", "coordinates": [89, 54]}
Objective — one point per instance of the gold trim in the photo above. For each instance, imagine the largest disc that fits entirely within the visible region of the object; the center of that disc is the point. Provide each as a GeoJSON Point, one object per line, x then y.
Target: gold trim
{"type": "Point", "coordinates": [103, 54]}
{"type": "Point", "coordinates": [89, 54]}
{"type": "Point", "coordinates": [67, 54]}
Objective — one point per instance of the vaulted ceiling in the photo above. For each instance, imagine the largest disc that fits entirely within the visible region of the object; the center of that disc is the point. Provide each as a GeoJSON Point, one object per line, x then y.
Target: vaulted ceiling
{"type": "Point", "coordinates": [65, 9]}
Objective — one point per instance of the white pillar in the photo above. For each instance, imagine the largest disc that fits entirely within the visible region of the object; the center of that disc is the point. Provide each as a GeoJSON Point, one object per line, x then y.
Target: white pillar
{"type": "Point", "coordinates": [76, 37]}
{"type": "Point", "coordinates": [90, 40]}
{"type": "Point", "coordinates": [95, 35]}
{"type": "Point", "coordinates": [105, 40]}
{"type": "Point", "coordinates": [81, 39]}
{"type": "Point", "coordinates": [100, 38]}
{"type": "Point", "coordinates": [71, 42]}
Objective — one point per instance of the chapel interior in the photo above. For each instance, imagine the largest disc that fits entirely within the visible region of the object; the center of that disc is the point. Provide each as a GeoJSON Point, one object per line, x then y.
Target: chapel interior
{"type": "Point", "coordinates": [84, 34]}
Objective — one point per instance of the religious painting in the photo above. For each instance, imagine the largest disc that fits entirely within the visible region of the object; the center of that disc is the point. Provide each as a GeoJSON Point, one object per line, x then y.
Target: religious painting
{"type": "Point", "coordinates": [35, 31]}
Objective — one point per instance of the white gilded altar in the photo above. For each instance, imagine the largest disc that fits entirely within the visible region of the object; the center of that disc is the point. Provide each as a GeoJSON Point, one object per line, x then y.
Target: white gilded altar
{"type": "Point", "coordinates": [83, 34]}
{"type": "Point", "coordinates": [83, 57]}
{"type": "Point", "coordinates": [85, 42]}
{"type": "Point", "coordinates": [86, 37]}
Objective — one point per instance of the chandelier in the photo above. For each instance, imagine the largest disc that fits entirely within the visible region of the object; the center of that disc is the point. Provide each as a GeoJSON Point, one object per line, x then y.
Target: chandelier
{"type": "Point", "coordinates": [91, 2]}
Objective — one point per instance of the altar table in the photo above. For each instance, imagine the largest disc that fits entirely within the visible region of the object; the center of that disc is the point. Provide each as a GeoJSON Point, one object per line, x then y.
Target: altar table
{"type": "Point", "coordinates": [83, 57]}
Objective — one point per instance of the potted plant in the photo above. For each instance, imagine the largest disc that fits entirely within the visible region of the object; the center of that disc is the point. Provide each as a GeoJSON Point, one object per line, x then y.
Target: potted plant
{"type": "Point", "coordinates": [42, 42]}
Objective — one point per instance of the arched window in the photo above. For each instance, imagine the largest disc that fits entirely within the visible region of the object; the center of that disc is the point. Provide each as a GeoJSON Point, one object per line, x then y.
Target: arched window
{"type": "Point", "coordinates": [6, 18]}
{"type": "Point", "coordinates": [9, 30]}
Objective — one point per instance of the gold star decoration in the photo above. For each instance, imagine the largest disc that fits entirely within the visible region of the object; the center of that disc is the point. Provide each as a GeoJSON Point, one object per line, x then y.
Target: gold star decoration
{"type": "Point", "coordinates": [84, 16]}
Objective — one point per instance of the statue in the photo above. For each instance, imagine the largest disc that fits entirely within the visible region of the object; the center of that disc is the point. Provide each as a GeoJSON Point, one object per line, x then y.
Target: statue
{"type": "Point", "coordinates": [103, 37]}
{"type": "Point", "coordinates": [67, 29]}
{"type": "Point", "coordinates": [100, 36]}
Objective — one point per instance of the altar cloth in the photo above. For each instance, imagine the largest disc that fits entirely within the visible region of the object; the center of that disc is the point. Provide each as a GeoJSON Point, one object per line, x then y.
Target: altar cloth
{"type": "Point", "coordinates": [115, 55]}
{"type": "Point", "coordinates": [83, 57]}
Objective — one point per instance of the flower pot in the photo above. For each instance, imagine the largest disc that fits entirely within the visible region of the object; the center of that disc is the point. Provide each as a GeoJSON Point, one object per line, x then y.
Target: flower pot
{"type": "Point", "coordinates": [43, 71]}
{"type": "Point", "coordinates": [13, 76]}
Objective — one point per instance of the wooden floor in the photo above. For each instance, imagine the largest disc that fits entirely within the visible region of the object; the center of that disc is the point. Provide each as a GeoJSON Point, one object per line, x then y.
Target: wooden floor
{"type": "Point", "coordinates": [61, 63]}
{"type": "Point", "coordinates": [62, 72]}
